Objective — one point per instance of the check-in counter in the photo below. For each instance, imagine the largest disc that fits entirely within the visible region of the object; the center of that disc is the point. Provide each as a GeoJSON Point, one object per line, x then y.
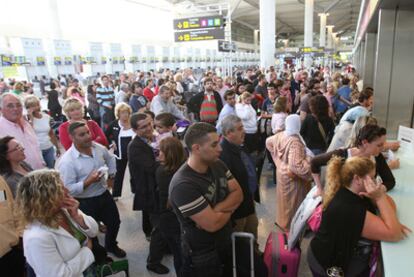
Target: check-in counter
{"type": "Point", "coordinates": [398, 257]}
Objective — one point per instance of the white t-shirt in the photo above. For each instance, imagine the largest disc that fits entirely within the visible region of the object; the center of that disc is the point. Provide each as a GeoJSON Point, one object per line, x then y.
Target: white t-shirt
{"type": "Point", "coordinates": [42, 129]}
{"type": "Point", "coordinates": [248, 117]}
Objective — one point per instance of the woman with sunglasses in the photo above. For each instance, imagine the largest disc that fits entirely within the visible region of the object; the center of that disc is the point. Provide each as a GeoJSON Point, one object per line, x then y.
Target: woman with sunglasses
{"type": "Point", "coordinates": [12, 164]}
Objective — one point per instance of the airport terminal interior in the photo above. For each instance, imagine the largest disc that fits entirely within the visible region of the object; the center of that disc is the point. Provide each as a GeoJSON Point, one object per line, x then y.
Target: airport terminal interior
{"type": "Point", "coordinates": [206, 138]}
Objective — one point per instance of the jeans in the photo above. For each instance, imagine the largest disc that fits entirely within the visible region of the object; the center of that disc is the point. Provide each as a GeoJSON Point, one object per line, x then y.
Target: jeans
{"type": "Point", "coordinates": [103, 208]}
{"type": "Point", "coordinates": [49, 157]}
{"type": "Point", "coordinates": [119, 177]}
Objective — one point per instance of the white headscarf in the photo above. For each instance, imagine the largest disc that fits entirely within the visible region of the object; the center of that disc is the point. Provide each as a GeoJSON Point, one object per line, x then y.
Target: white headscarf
{"type": "Point", "coordinates": [292, 128]}
{"type": "Point", "coordinates": [292, 125]}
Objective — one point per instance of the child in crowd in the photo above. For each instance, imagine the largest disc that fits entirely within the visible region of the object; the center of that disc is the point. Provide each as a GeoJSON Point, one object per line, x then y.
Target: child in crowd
{"type": "Point", "coordinates": [280, 114]}
{"type": "Point", "coordinates": [165, 127]}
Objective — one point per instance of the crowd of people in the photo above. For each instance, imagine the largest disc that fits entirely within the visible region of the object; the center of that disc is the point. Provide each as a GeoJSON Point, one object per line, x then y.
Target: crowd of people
{"type": "Point", "coordinates": [195, 147]}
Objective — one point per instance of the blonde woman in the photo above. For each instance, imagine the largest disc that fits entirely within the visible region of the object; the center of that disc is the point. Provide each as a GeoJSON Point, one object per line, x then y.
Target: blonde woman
{"type": "Point", "coordinates": [349, 216]}
{"type": "Point", "coordinates": [178, 79]}
{"type": "Point", "coordinates": [75, 111]}
{"type": "Point", "coordinates": [57, 238]}
{"type": "Point", "coordinates": [40, 122]}
{"type": "Point", "coordinates": [120, 133]}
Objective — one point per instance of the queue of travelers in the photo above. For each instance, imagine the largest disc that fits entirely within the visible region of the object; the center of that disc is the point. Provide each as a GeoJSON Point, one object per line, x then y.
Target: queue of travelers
{"type": "Point", "coordinates": [62, 174]}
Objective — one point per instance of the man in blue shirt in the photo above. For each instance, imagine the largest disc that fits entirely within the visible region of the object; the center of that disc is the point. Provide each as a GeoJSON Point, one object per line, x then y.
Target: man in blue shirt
{"type": "Point", "coordinates": [83, 168]}
{"type": "Point", "coordinates": [230, 98]}
{"type": "Point", "coordinates": [343, 98]}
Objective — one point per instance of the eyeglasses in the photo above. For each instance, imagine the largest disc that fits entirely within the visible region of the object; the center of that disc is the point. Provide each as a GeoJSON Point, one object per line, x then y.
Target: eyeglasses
{"type": "Point", "coordinates": [145, 126]}
{"type": "Point", "coordinates": [14, 106]}
{"type": "Point", "coordinates": [18, 147]}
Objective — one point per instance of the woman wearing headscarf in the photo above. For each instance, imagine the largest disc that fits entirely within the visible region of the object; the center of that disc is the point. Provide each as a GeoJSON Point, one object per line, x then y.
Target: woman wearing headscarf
{"type": "Point", "coordinates": [290, 155]}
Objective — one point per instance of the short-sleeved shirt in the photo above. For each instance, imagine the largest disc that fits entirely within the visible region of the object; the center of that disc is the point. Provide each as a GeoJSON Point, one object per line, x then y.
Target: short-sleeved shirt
{"type": "Point", "coordinates": [341, 228]}
{"type": "Point", "coordinates": [191, 192]}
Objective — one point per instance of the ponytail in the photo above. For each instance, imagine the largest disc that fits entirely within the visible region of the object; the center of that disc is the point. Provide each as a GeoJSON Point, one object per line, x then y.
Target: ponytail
{"type": "Point", "coordinates": [333, 179]}
{"type": "Point", "coordinates": [340, 173]}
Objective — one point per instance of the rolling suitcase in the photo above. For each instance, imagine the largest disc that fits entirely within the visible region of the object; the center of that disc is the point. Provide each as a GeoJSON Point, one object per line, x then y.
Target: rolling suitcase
{"type": "Point", "coordinates": [233, 243]}
{"type": "Point", "coordinates": [280, 261]}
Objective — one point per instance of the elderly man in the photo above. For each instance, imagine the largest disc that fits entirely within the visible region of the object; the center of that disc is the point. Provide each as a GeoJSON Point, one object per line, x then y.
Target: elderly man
{"type": "Point", "coordinates": [243, 169]}
{"type": "Point", "coordinates": [162, 103]}
{"type": "Point", "coordinates": [13, 124]}
{"type": "Point", "coordinates": [123, 94]}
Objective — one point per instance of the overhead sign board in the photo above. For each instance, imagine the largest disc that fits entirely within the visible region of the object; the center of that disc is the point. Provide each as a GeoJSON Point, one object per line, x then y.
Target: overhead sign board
{"type": "Point", "coordinates": [201, 22]}
{"type": "Point", "coordinates": [312, 50]}
{"type": "Point", "coordinates": [226, 46]}
{"type": "Point", "coordinates": [199, 35]}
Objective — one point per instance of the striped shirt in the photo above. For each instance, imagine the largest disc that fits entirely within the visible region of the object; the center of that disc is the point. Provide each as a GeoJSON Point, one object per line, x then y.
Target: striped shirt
{"type": "Point", "coordinates": [105, 96]}
{"type": "Point", "coordinates": [208, 109]}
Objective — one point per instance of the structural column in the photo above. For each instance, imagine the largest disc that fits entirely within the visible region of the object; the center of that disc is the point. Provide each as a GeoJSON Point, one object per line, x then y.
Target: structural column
{"type": "Point", "coordinates": [369, 61]}
{"type": "Point", "coordinates": [267, 32]}
{"type": "Point", "coordinates": [256, 41]}
{"type": "Point", "coordinates": [322, 30]}
{"type": "Point", "coordinates": [330, 28]}
{"type": "Point", "coordinates": [308, 42]}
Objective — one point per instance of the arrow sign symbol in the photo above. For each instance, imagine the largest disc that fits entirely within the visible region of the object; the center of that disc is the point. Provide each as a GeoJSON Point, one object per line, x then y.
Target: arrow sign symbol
{"type": "Point", "coordinates": [180, 38]}
{"type": "Point", "coordinates": [179, 25]}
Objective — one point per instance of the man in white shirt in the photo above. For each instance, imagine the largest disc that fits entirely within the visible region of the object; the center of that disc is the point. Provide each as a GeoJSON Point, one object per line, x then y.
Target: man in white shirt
{"type": "Point", "coordinates": [229, 108]}
{"type": "Point", "coordinates": [162, 103]}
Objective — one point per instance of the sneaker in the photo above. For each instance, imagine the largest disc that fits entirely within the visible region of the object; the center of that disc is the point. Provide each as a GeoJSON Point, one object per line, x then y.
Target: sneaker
{"type": "Point", "coordinates": [102, 227]}
{"type": "Point", "coordinates": [158, 268]}
{"type": "Point", "coordinates": [118, 252]}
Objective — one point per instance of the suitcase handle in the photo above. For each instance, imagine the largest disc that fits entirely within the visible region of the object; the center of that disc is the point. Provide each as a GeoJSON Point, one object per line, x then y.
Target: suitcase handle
{"type": "Point", "coordinates": [251, 240]}
{"type": "Point", "coordinates": [285, 241]}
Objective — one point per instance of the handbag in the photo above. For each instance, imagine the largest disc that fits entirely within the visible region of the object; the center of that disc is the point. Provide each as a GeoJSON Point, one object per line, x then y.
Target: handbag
{"type": "Point", "coordinates": [314, 221]}
{"type": "Point", "coordinates": [118, 268]}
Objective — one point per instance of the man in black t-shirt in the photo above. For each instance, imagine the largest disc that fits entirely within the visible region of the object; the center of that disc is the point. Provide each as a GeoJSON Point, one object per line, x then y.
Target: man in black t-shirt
{"type": "Point", "coordinates": [204, 194]}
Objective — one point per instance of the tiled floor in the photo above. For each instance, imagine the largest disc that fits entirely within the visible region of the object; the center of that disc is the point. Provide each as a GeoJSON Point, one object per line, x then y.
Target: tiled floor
{"type": "Point", "coordinates": [132, 239]}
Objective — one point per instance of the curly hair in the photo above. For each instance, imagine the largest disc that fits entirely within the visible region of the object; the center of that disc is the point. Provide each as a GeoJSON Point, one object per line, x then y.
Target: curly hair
{"type": "Point", "coordinates": [71, 104]}
{"type": "Point", "coordinates": [39, 196]}
{"type": "Point", "coordinates": [340, 172]}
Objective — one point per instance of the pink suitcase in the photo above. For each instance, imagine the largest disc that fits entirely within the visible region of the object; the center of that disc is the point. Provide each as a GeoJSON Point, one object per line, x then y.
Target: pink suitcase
{"type": "Point", "coordinates": [280, 261]}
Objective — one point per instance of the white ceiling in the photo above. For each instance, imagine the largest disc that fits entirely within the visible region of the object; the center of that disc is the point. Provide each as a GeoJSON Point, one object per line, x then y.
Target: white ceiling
{"type": "Point", "coordinates": [289, 14]}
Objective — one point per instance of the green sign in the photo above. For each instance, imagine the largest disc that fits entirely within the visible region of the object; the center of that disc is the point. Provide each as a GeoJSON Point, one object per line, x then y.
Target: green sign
{"type": "Point", "coordinates": [201, 22]}
{"type": "Point", "coordinates": [199, 35]}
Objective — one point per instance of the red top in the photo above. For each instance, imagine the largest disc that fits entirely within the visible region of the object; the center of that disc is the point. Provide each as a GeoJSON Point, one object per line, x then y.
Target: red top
{"type": "Point", "coordinates": [96, 133]}
{"type": "Point", "coordinates": [148, 93]}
